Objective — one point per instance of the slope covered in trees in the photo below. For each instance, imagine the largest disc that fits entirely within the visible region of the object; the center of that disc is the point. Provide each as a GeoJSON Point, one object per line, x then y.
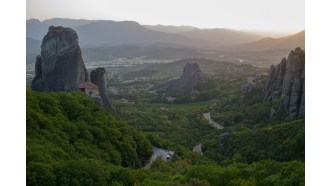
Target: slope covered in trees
{"type": "Point", "coordinates": [69, 128]}
{"type": "Point", "coordinates": [70, 141]}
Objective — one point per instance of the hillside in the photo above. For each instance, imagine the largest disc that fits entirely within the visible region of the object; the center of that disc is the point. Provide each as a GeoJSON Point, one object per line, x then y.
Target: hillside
{"type": "Point", "coordinates": [221, 36]}
{"type": "Point", "coordinates": [70, 141]}
{"type": "Point", "coordinates": [69, 128]}
{"type": "Point", "coordinates": [127, 32]}
{"type": "Point", "coordinates": [169, 28]}
{"type": "Point", "coordinates": [112, 33]}
{"type": "Point", "coordinates": [72, 125]}
{"type": "Point", "coordinates": [36, 29]}
{"type": "Point", "coordinates": [72, 23]}
{"type": "Point", "coordinates": [288, 42]}
{"type": "Point", "coordinates": [283, 141]}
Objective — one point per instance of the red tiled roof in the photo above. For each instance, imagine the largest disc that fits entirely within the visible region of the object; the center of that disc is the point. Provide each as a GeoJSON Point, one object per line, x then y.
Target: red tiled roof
{"type": "Point", "coordinates": [88, 85]}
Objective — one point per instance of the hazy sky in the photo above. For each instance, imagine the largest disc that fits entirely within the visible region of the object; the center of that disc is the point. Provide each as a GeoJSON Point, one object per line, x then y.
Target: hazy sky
{"type": "Point", "coordinates": [271, 15]}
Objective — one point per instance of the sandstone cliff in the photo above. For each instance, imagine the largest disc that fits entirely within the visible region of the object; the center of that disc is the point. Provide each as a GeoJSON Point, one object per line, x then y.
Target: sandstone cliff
{"type": "Point", "coordinates": [60, 66]}
{"type": "Point", "coordinates": [191, 76]}
{"type": "Point", "coordinates": [286, 85]}
{"type": "Point", "coordinates": [99, 78]}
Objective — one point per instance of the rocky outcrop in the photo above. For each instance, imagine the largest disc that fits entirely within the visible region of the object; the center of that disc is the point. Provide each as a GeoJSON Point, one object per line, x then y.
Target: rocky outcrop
{"type": "Point", "coordinates": [191, 76]}
{"type": "Point", "coordinates": [286, 85]}
{"type": "Point", "coordinates": [251, 84]}
{"type": "Point", "coordinates": [99, 78]}
{"type": "Point", "coordinates": [60, 66]}
{"type": "Point", "coordinates": [275, 81]}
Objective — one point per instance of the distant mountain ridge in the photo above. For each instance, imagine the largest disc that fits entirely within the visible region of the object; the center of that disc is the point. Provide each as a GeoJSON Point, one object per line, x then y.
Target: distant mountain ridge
{"type": "Point", "coordinates": [73, 23]}
{"type": "Point", "coordinates": [97, 36]}
{"type": "Point", "coordinates": [170, 28]}
{"type": "Point", "coordinates": [36, 29]}
{"type": "Point", "coordinates": [127, 32]}
{"type": "Point", "coordinates": [222, 36]}
{"type": "Point", "coordinates": [112, 33]}
{"type": "Point", "coordinates": [288, 42]}
{"type": "Point", "coordinates": [32, 49]}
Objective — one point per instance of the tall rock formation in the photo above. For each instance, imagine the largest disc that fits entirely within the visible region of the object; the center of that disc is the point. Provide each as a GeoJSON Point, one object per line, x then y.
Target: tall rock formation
{"type": "Point", "coordinates": [99, 78]}
{"type": "Point", "coordinates": [191, 76]}
{"type": "Point", "coordinates": [60, 66]}
{"type": "Point", "coordinates": [286, 85]}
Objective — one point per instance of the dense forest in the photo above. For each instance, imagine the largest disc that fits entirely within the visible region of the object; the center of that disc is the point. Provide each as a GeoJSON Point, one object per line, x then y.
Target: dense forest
{"type": "Point", "coordinates": [71, 141]}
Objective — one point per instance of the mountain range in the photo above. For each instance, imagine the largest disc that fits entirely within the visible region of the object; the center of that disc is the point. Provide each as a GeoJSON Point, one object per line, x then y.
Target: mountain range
{"type": "Point", "coordinates": [288, 42]}
{"type": "Point", "coordinates": [170, 28]}
{"type": "Point", "coordinates": [105, 34]}
{"type": "Point", "coordinates": [221, 36]}
{"type": "Point", "coordinates": [32, 49]}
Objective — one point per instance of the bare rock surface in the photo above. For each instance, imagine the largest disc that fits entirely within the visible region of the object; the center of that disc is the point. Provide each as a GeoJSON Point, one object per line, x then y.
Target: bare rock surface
{"type": "Point", "coordinates": [286, 84]}
{"type": "Point", "coordinates": [60, 66]}
{"type": "Point", "coordinates": [191, 76]}
{"type": "Point", "coordinates": [99, 77]}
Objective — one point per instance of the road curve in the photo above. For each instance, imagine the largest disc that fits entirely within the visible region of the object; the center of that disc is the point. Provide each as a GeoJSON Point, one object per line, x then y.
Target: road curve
{"type": "Point", "coordinates": [211, 122]}
{"type": "Point", "coordinates": [156, 153]}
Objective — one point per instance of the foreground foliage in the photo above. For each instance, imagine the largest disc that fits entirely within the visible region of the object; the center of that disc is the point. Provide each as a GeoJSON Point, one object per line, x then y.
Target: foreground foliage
{"type": "Point", "coordinates": [70, 141]}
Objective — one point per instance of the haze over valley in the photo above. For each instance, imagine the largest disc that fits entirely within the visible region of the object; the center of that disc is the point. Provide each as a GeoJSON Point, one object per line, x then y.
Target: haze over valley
{"type": "Point", "coordinates": [109, 40]}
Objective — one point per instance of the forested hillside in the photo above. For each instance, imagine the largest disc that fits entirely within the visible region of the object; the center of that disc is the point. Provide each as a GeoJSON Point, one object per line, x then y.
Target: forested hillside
{"type": "Point", "coordinates": [65, 129]}
{"type": "Point", "coordinates": [70, 141]}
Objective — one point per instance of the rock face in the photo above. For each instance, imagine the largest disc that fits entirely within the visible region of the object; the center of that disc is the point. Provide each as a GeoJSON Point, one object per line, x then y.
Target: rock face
{"type": "Point", "coordinates": [286, 85]}
{"type": "Point", "coordinates": [99, 78]}
{"type": "Point", "coordinates": [60, 66]}
{"type": "Point", "coordinates": [191, 76]}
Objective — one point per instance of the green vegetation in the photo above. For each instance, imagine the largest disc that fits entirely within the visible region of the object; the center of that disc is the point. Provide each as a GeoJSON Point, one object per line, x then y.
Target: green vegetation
{"type": "Point", "coordinates": [284, 141]}
{"type": "Point", "coordinates": [69, 127]}
{"type": "Point", "coordinates": [171, 120]}
{"type": "Point", "coordinates": [70, 141]}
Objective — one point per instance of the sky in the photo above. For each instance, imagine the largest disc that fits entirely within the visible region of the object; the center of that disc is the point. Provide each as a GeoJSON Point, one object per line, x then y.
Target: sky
{"type": "Point", "coordinates": [264, 15]}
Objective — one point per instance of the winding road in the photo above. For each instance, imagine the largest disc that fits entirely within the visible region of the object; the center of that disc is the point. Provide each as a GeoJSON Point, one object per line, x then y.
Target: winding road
{"type": "Point", "coordinates": [211, 122]}
{"type": "Point", "coordinates": [207, 116]}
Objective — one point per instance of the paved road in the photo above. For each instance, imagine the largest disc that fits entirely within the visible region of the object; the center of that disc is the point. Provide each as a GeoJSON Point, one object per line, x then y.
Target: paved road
{"type": "Point", "coordinates": [198, 149]}
{"type": "Point", "coordinates": [156, 153]}
{"type": "Point", "coordinates": [211, 122]}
